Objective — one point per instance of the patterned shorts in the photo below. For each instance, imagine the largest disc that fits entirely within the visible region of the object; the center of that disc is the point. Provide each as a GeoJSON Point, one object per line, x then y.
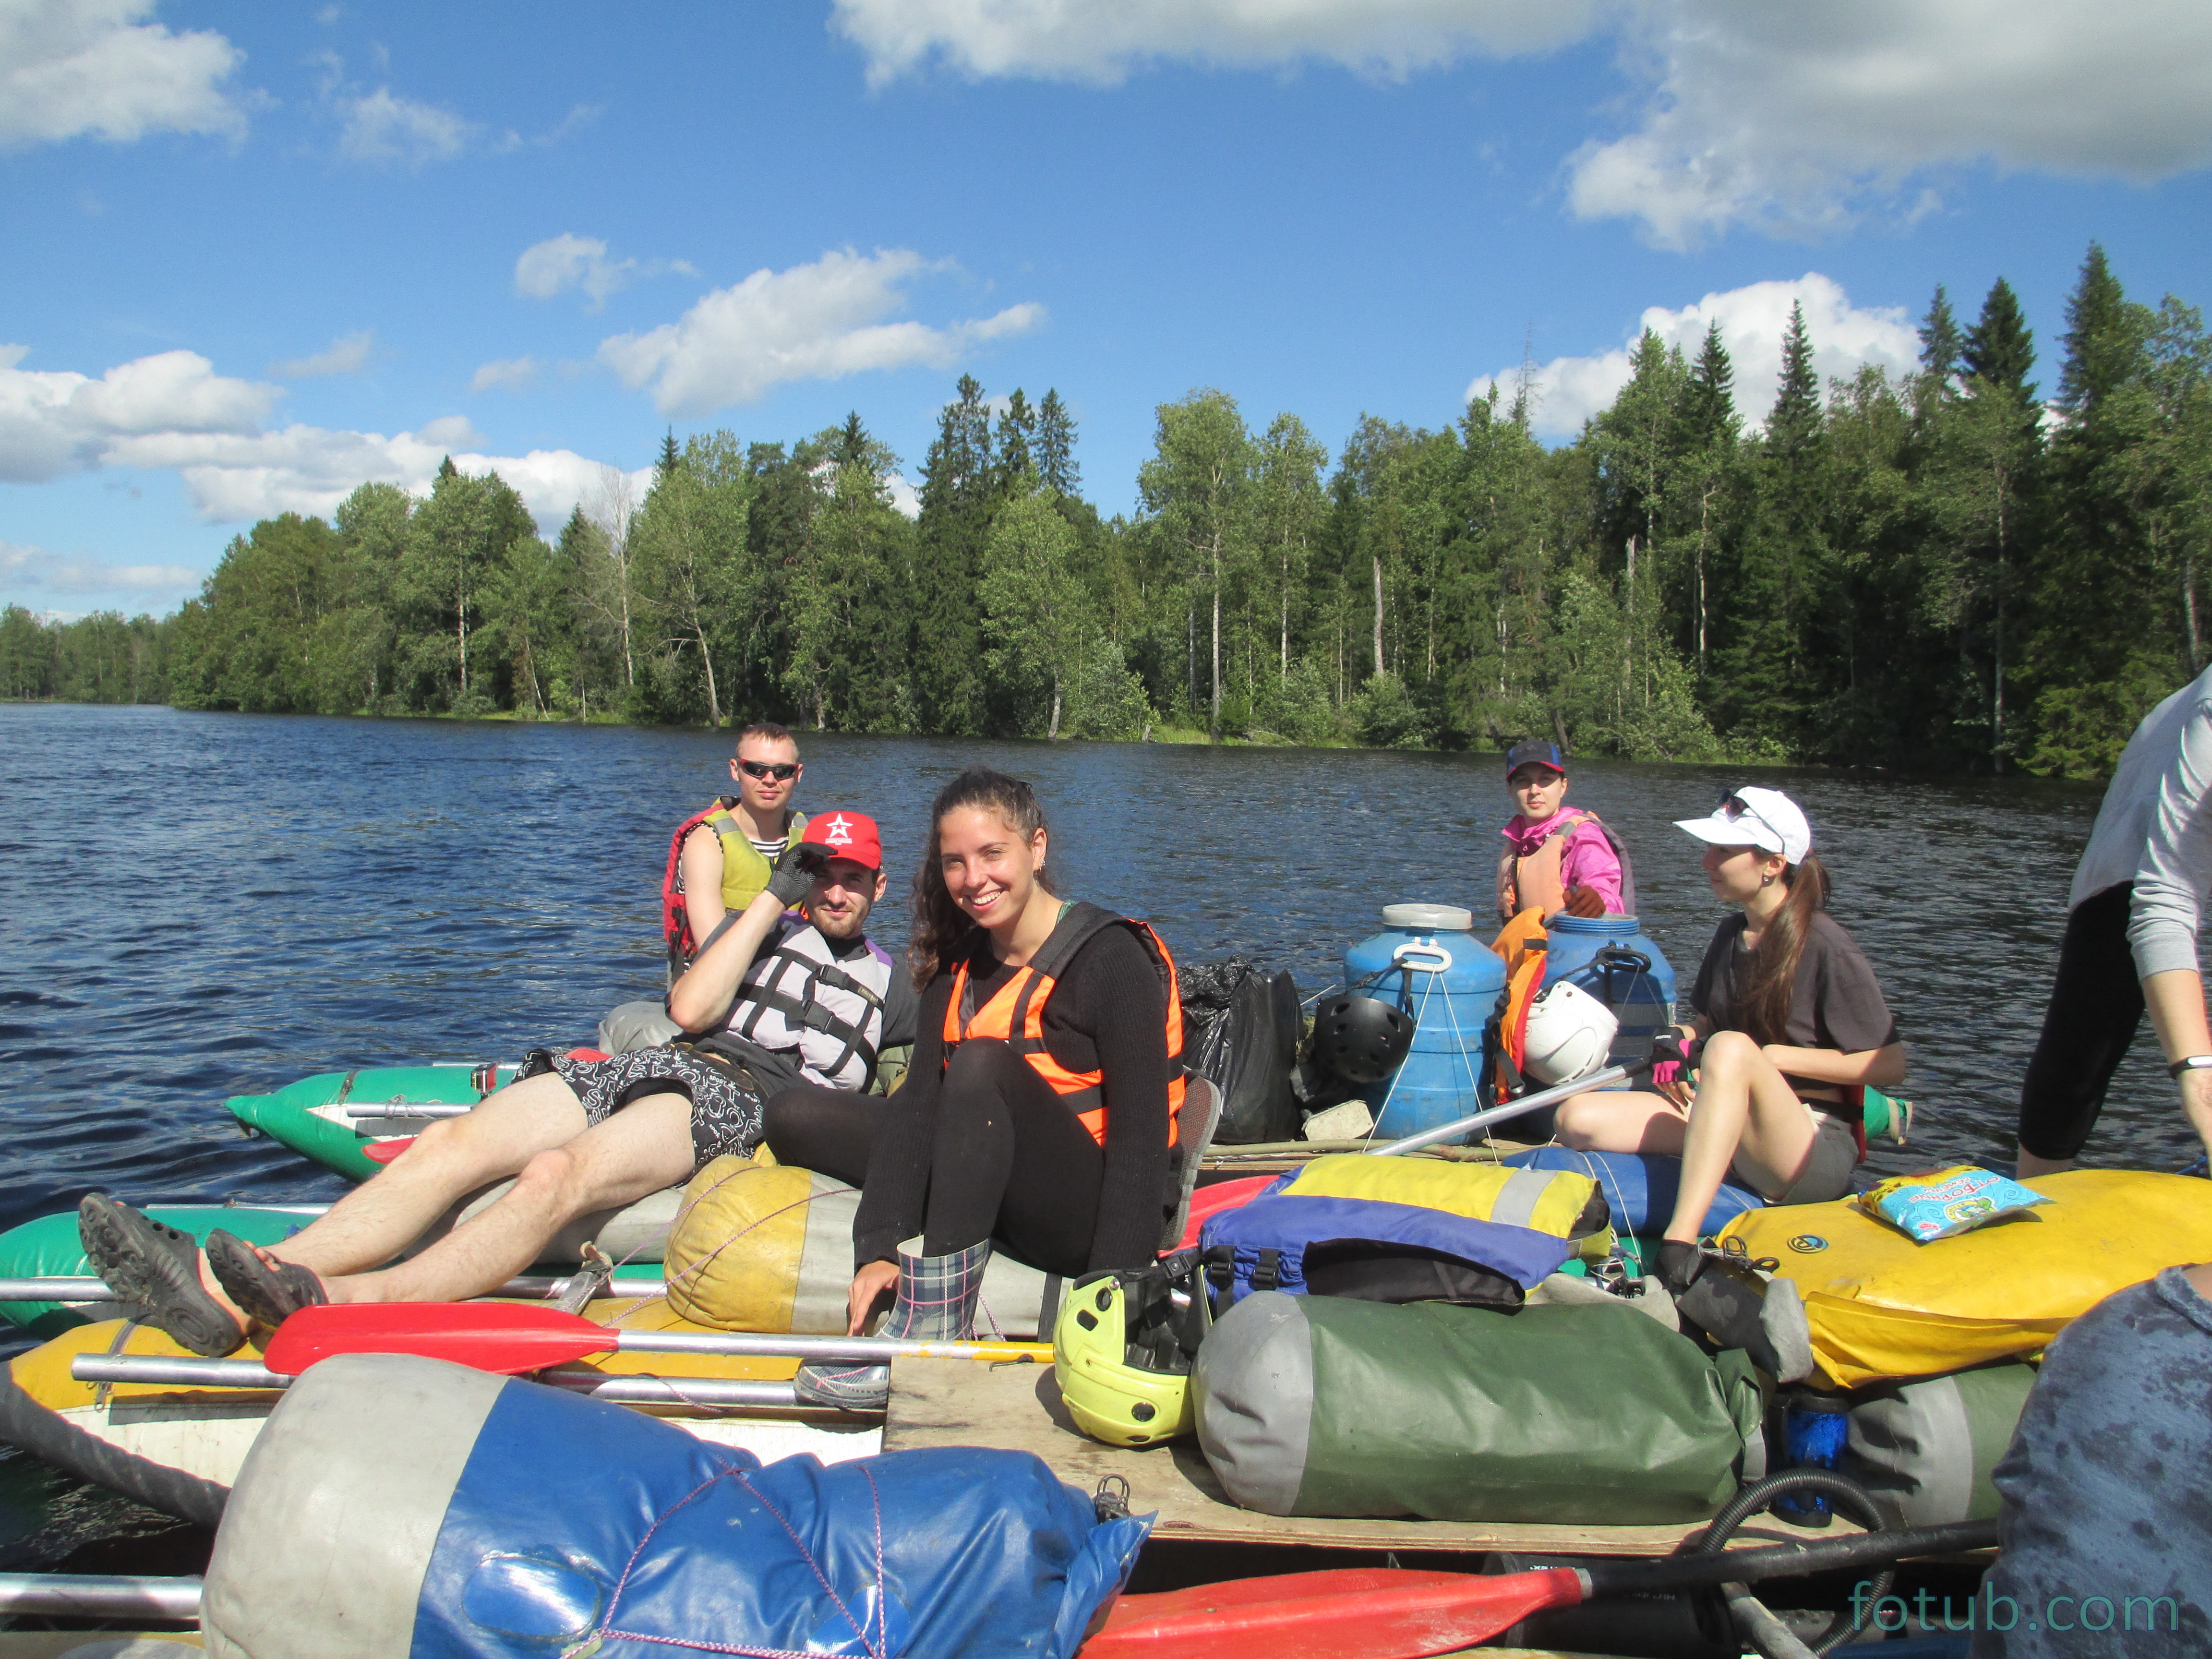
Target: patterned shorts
{"type": "Point", "coordinates": [725, 1106]}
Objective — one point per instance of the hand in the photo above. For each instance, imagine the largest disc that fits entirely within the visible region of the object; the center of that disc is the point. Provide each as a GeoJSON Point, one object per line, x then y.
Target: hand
{"type": "Point", "coordinates": [1672, 1048]}
{"type": "Point", "coordinates": [793, 878]}
{"type": "Point", "coordinates": [1584, 901]}
{"type": "Point", "coordinates": [870, 1285]}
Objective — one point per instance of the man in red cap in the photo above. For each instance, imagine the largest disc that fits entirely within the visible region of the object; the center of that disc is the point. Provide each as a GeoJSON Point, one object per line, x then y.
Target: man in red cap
{"type": "Point", "coordinates": [786, 998]}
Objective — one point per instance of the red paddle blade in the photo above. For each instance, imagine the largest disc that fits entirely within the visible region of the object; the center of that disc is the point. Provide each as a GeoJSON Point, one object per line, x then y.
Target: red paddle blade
{"type": "Point", "coordinates": [383, 1151]}
{"type": "Point", "coordinates": [488, 1335]}
{"type": "Point", "coordinates": [1361, 1612]}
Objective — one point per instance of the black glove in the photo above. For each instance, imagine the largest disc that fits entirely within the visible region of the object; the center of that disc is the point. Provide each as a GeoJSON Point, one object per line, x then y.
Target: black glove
{"type": "Point", "coordinates": [793, 878]}
{"type": "Point", "coordinates": [1672, 1048]}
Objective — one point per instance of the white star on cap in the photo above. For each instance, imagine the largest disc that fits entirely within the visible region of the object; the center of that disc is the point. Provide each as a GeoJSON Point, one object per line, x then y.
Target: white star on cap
{"type": "Point", "coordinates": [840, 831]}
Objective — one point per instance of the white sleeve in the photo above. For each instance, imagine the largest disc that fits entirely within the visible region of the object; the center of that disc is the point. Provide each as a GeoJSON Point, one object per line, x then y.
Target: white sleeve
{"type": "Point", "coordinates": [2175, 874]}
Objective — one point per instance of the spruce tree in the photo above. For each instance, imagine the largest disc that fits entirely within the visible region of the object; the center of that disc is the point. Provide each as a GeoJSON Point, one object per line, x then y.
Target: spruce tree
{"type": "Point", "coordinates": [1709, 404]}
{"type": "Point", "coordinates": [957, 493]}
{"type": "Point", "coordinates": [1999, 348]}
{"type": "Point", "coordinates": [1017, 434]}
{"type": "Point", "coordinates": [1055, 446]}
{"type": "Point", "coordinates": [1941, 341]}
{"type": "Point", "coordinates": [1795, 424]}
{"type": "Point", "coordinates": [671, 457]}
{"type": "Point", "coordinates": [2104, 340]}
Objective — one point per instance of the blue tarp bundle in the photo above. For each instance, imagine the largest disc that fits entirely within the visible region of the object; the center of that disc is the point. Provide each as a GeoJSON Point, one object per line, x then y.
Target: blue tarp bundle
{"type": "Point", "coordinates": [399, 1508]}
{"type": "Point", "coordinates": [1288, 1224]}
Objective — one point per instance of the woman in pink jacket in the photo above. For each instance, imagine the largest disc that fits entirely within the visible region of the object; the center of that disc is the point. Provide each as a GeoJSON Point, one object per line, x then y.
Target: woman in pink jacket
{"type": "Point", "coordinates": [1557, 857]}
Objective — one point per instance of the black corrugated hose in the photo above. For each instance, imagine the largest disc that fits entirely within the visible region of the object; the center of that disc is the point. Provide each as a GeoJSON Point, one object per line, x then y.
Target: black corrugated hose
{"type": "Point", "coordinates": [55, 1441]}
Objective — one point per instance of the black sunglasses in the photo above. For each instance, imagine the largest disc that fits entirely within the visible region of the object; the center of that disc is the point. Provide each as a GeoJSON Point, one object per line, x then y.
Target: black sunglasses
{"type": "Point", "coordinates": [764, 769]}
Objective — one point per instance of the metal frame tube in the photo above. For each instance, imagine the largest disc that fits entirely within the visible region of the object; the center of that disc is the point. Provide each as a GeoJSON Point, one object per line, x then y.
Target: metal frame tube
{"type": "Point", "coordinates": [96, 1596]}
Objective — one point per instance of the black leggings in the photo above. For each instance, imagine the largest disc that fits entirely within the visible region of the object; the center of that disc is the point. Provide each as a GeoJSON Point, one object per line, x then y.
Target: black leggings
{"type": "Point", "coordinates": [2096, 1006]}
{"type": "Point", "coordinates": [829, 1131]}
{"type": "Point", "coordinates": [1009, 1161]}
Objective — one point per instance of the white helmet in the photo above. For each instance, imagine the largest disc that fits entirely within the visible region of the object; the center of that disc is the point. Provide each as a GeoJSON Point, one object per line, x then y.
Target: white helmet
{"type": "Point", "coordinates": [1569, 1033]}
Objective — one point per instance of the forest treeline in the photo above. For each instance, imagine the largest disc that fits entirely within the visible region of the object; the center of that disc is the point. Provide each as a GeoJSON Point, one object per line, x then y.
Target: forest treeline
{"type": "Point", "coordinates": [1964, 568]}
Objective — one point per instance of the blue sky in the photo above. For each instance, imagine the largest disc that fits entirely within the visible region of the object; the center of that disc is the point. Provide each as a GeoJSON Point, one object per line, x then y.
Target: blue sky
{"type": "Point", "coordinates": [254, 255]}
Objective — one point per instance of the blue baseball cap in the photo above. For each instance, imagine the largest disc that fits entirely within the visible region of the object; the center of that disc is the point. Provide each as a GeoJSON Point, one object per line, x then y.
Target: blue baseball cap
{"type": "Point", "coordinates": [1537, 754]}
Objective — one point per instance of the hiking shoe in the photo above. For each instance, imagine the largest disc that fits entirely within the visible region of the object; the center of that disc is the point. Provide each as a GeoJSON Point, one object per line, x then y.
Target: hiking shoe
{"type": "Point", "coordinates": [270, 1293]}
{"type": "Point", "coordinates": [155, 1266]}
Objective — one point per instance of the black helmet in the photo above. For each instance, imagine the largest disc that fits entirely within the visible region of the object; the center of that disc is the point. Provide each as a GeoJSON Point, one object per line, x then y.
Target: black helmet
{"type": "Point", "coordinates": [1361, 1039]}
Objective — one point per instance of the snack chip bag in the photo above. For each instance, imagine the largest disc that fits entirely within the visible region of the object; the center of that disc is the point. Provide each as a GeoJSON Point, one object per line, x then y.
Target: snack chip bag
{"type": "Point", "coordinates": [1926, 1207]}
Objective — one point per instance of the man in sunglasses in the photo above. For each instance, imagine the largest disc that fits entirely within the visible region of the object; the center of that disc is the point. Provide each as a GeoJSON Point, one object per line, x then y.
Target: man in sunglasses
{"type": "Point", "coordinates": [719, 860]}
{"type": "Point", "coordinates": [787, 1005]}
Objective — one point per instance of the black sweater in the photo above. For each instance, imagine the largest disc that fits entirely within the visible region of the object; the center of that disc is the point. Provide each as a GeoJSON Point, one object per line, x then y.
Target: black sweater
{"type": "Point", "coordinates": [1108, 1013]}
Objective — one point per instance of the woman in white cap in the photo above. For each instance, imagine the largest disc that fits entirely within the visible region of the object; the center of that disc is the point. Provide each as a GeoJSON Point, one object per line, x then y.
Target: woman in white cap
{"type": "Point", "coordinates": [1786, 1023]}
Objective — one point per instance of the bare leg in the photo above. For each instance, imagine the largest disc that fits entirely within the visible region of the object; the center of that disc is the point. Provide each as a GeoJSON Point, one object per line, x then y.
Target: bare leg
{"type": "Point", "coordinates": [1619, 1121]}
{"type": "Point", "coordinates": [644, 1147]}
{"type": "Point", "coordinates": [451, 1157]}
{"type": "Point", "coordinates": [1741, 1101]}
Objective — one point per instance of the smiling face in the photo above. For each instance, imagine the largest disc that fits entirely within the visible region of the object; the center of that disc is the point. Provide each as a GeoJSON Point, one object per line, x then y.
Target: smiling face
{"type": "Point", "coordinates": [1737, 873]}
{"type": "Point", "coordinates": [843, 892]}
{"type": "Point", "coordinates": [989, 869]}
{"type": "Point", "coordinates": [1537, 790]}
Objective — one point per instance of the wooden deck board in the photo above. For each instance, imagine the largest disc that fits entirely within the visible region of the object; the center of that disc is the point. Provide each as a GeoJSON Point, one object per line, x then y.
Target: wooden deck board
{"type": "Point", "coordinates": [955, 1402]}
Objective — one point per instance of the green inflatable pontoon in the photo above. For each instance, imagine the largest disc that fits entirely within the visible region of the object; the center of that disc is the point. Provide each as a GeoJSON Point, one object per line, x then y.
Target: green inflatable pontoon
{"type": "Point", "coordinates": [322, 1117]}
{"type": "Point", "coordinates": [49, 1248]}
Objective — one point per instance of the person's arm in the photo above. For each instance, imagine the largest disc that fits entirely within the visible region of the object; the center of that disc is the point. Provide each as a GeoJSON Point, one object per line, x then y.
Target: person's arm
{"type": "Point", "coordinates": [701, 866]}
{"type": "Point", "coordinates": [702, 998]}
{"type": "Point", "coordinates": [1589, 861]}
{"type": "Point", "coordinates": [1884, 1068]}
{"type": "Point", "coordinates": [893, 1196]}
{"type": "Point", "coordinates": [2175, 998]}
{"type": "Point", "coordinates": [2175, 871]}
{"type": "Point", "coordinates": [1121, 1004]}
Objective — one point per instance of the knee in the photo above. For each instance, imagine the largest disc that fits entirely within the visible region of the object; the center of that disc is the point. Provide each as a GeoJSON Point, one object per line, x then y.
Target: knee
{"type": "Point", "coordinates": [1728, 1050]}
{"type": "Point", "coordinates": [548, 1177]}
{"type": "Point", "coordinates": [1575, 1124]}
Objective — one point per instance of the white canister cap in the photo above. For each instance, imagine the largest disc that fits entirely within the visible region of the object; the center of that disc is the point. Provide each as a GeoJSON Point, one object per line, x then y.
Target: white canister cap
{"type": "Point", "coordinates": [1429, 918]}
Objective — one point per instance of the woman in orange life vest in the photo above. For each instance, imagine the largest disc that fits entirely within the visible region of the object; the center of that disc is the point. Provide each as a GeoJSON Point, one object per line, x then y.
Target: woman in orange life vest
{"type": "Point", "coordinates": [1556, 857]}
{"type": "Point", "coordinates": [1040, 1110]}
{"type": "Point", "coordinates": [1786, 1021]}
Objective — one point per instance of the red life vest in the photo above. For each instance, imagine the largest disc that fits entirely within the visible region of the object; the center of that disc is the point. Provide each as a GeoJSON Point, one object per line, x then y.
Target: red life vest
{"type": "Point", "coordinates": [1015, 1014]}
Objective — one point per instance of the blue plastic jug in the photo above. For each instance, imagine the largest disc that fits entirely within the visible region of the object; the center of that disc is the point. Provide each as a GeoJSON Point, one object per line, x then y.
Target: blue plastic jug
{"type": "Point", "coordinates": [1428, 960]}
{"type": "Point", "coordinates": [1616, 961]}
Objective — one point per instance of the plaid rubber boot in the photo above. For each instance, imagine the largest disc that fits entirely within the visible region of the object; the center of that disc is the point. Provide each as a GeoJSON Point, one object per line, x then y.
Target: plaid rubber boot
{"type": "Point", "coordinates": [936, 1302]}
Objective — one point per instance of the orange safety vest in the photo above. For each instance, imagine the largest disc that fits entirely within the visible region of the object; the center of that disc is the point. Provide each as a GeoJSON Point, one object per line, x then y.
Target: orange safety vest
{"type": "Point", "coordinates": [1522, 945]}
{"type": "Point", "coordinates": [1015, 1014]}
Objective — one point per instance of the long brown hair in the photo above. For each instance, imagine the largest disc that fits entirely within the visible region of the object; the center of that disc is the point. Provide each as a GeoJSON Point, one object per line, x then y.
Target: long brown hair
{"type": "Point", "coordinates": [1765, 1008]}
{"type": "Point", "coordinates": [942, 930]}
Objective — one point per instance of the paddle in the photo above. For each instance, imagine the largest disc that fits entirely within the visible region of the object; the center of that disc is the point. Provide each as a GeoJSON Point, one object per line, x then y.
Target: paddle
{"type": "Point", "coordinates": [1462, 1127]}
{"type": "Point", "coordinates": [1388, 1612]}
{"type": "Point", "coordinates": [512, 1337]}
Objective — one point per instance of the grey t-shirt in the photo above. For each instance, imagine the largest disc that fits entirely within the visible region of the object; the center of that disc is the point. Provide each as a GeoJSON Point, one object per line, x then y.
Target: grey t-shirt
{"type": "Point", "coordinates": [1835, 1004]}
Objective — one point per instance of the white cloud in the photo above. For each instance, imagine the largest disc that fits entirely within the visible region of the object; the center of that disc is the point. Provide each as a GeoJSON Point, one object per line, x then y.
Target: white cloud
{"type": "Point", "coordinates": [906, 494]}
{"type": "Point", "coordinates": [1787, 118]}
{"type": "Point", "coordinates": [1794, 120]}
{"type": "Point", "coordinates": [386, 130]}
{"type": "Point", "coordinates": [71, 68]}
{"type": "Point", "coordinates": [818, 321]}
{"type": "Point", "coordinates": [34, 569]}
{"type": "Point", "coordinates": [507, 374]}
{"type": "Point", "coordinates": [174, 413]}
{"type": "Point", "coordinates": [560, 262]}
{"type": "Point", "coordinates": [1070, 39]}
{"type": "Point", "coordinates": [347, 354]}
{"type": "Point", "coordinates": [1568, 390]}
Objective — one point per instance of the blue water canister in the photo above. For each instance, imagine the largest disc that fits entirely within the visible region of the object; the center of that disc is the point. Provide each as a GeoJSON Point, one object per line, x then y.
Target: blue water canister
{"type": "Point", "coordinates": [1428, 959]}
{"type": "Point", "coordinates": [1614, 959]}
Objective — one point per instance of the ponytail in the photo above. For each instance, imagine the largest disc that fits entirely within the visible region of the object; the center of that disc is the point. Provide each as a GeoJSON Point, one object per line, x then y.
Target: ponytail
{"type": "Point", "coordinates": [942, 930]}
{"type": "Point", "coordinates": [1765, 1008]}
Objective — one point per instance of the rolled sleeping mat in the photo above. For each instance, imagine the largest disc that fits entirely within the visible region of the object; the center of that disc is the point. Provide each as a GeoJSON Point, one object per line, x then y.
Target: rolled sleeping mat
{"type": "Point", "coordinates": [402, 1508]}
{"type": "Point", "coordinates": [1577, 1415]}
{"type": "Point", "coordinates": [50, 1246]}
{"type": "Point", "coordinates": [1930, 1447]}
{"type": "Point", "coordinates": [1639, 1187]}
{"type": "Point", "coordinates": [768, 1247]}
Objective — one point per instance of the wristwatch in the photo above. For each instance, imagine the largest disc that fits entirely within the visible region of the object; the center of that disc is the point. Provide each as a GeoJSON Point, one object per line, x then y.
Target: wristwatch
{"type": "Point", "coordinates": [2190, 1063]}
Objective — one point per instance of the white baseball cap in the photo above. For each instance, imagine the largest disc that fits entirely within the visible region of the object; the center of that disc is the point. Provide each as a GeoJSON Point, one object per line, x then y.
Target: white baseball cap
{"type": "Point", "coordinates": [1764, 818]}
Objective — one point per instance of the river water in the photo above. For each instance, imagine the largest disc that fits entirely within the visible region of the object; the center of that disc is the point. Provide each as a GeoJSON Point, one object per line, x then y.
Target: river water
{"type": "Point", "coordinates": [193, 906]}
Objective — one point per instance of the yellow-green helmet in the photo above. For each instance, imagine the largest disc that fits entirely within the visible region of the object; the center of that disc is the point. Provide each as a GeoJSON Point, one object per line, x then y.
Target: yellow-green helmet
{"type": "Point", "coordinates": [1126, 1388]}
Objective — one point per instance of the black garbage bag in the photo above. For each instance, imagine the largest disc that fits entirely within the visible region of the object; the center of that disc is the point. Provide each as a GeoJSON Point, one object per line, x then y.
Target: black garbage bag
{"type": "Point", "coordinates": [1240, 1031]}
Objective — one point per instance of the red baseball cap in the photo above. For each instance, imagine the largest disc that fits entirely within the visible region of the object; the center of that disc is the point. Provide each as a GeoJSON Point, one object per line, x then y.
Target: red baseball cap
{"type": "Point", "coordinates": [845, 834]}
